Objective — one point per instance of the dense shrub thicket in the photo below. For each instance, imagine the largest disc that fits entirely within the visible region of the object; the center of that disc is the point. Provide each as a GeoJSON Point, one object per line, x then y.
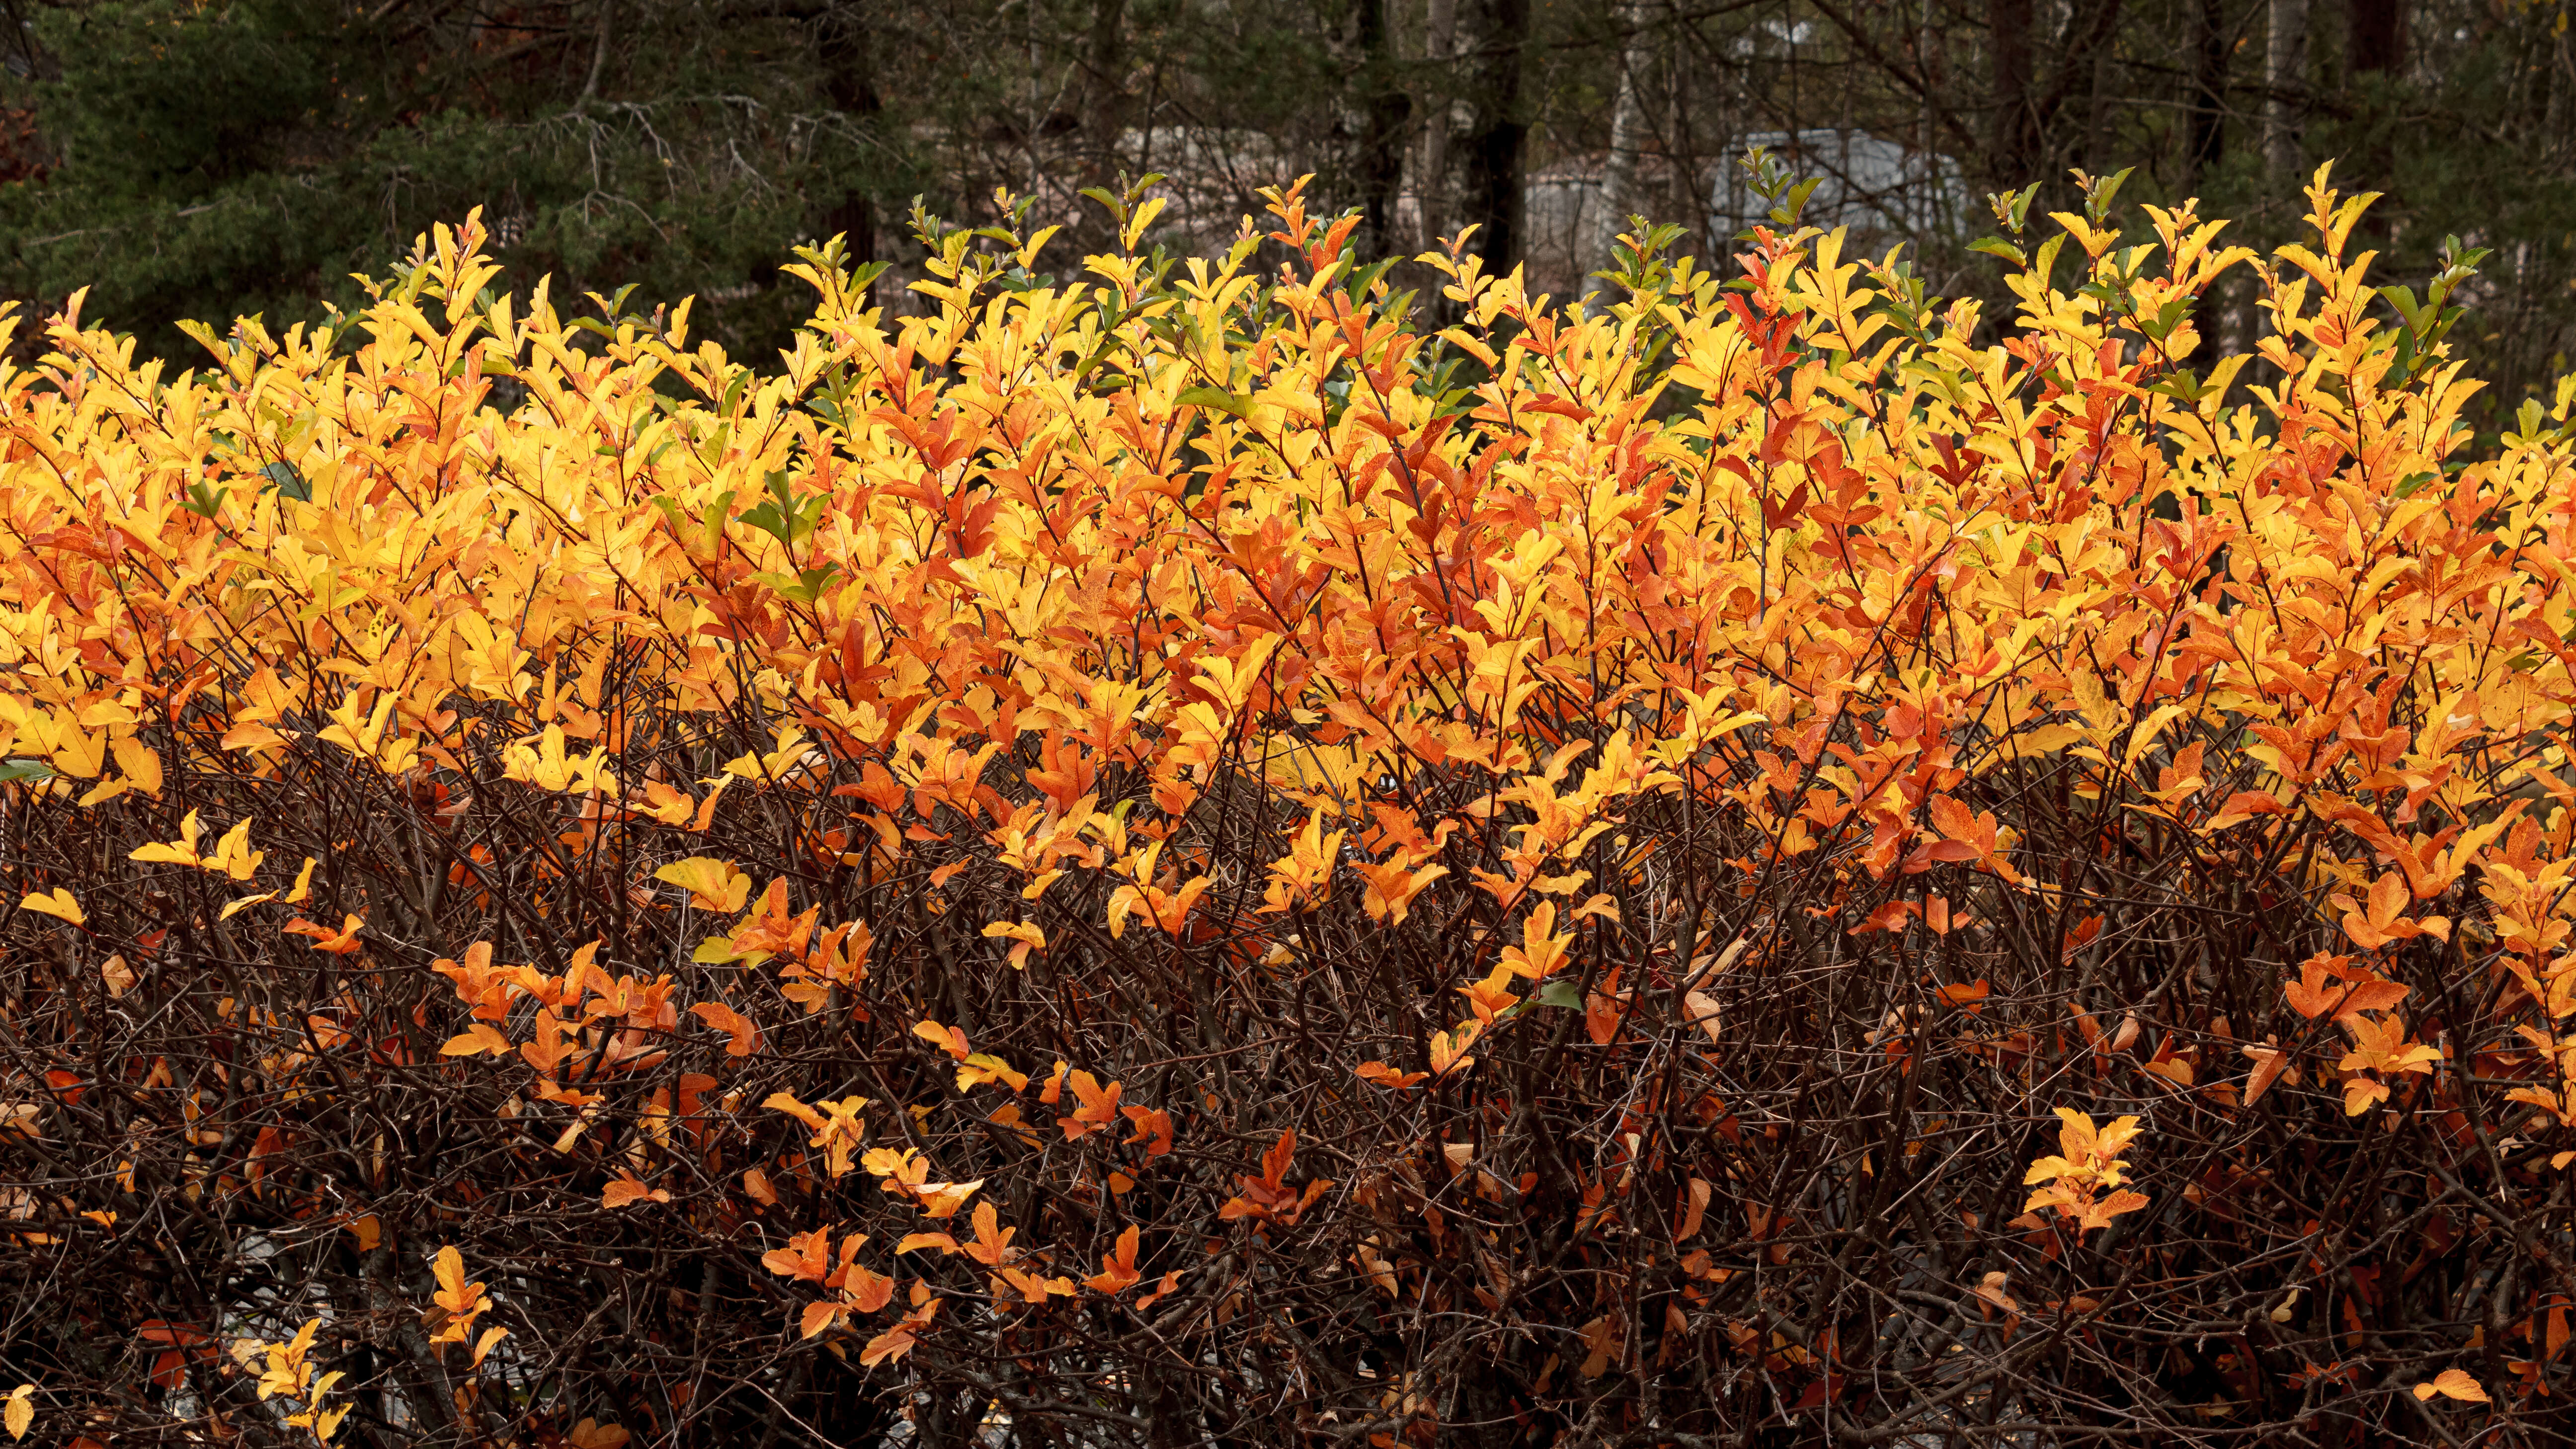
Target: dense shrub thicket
{"type": "Point", "coordinates": [1169, 859]}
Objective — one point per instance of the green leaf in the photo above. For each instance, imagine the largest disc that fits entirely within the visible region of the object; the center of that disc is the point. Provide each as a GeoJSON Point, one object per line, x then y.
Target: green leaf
{"type": "Point", "coordinates": [288, 482]}
{"type": "Point", "coordinates": [13, 771]}
{"type": "Point", "coordinates": [1222, 401]}
{"type": "Point", "coordinates": [1363, 278]}
{"type": "Point", "coordinates": [2097, 197]}
{"type": "Point", "coordinates": [1794, 205]}
{"type": "Point", "coordinates": [2166, 319]}
{"type": "Point", "coordinates": [2012, 208]}
{"type": "Point", "coordinates": [804, 586]}
{"type": "Point", "coordinates": [2403, 299]}
{"type": "Point", "coordinates": [2044, 261]}
{"type": "Point", "coordinates": [1116, 207]}
{"type": "Point", "coordinates": [1560, 992]}
{"type": "Point", "coordinates": [766, 518]}
{"type": "Point", "coordinates": [2182, 385]}
{"type": "Point", "coordinates": [715, 517]}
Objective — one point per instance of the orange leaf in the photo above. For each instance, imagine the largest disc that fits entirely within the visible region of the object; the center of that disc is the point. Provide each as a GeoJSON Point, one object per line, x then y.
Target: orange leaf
{"type": "Point", "coordinates": [339, 943]}
{"type": "Point", "coordinates": [2334, 984]}
{"type": "Point", "coordinates": [1386, 1076]}
{"type": "Point", "coordinates": [1153, 1128]}
{"type": "Point", "coordinates": [629, 1189]}
{"type": "Point", "coordinates": [817, 1317]}
{"type": "Point", "coordinates": [947, 1038]}
{"type": "Point", "coordinates": [746, 1036]}
{"type": "Point", "coordinates": [806, 1256]}
{"type": "Point", "coordinates": [895, 1342]}
{"type": "Point", "coordinates": [2269, 1063]}
{"type": "Point", "coordinates": [1118, 1270]}
{"type": "Point", "coordinates": [477, 1038]}
{"type": "Point", "coordinates": [992, 1245]}
{"type": "Point", "coordinates": [1171, 1280]}
{"type": "Point", "coordinates": [1694, 1204]}
{"type": "Point", "coordinates": [2452, 1384]}
{"type": "Point", "coordinates": [1275, 1162]}
{"type": "Point", "coordinates": [1099, 1107]}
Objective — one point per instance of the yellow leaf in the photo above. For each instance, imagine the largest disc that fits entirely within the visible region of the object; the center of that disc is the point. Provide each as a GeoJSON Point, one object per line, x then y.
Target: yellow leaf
{"type": "Point", "coordinates": [366, 739]}
{"type": "Point", "coordinates": [233, 854]}
{"type": "Point", "coordinates": [182, 851]}
{"type": "Point", "coordinates": [713, 885]}
{"type": "Point", "coordinates": [20, 1414]}
{"type": "Point", "coordinates": [142, 766]}
{"type": "Point", "coordinates": [57, 902]}
{"type": "Point", "coordinates": [448, 1267]}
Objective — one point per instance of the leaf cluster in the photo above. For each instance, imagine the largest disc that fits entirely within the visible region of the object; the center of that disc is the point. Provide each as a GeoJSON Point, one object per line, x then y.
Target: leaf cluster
{"type": "Point", "coordinates": [1177, 857]}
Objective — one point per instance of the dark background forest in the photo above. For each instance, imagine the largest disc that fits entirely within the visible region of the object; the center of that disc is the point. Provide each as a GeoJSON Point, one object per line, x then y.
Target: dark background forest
{"type": "Point", "coordinates": [206, 158]}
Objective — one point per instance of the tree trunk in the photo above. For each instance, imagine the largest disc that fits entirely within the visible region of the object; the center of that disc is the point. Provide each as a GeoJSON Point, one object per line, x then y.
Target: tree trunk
{"type": "Point", "coordinates": [2375, 40]}
{"type": "Point", "coordinates": [2285, 83]}
{"type": "Point", "coordinates": [2208, 94]}
{"type": "Point", "coordinates": [849, 81]}
{"type": "Point", "coordinates": [2097, 114]}
{"type": "Point", "coordinates": [2014, 151]}
{"type": "Point", "coordinates": [2375, 44]}
{"type": "Point", "coordinates": [1104, 64]}
{"type": "Point", "coordinates": [1627, 133]}
{"type": "Point", "coordinates": [1498, 150]}
{"type": "Point", "coordinates": [1382, 145]}
{"type": "Point", "coordinates": [1439, 47]}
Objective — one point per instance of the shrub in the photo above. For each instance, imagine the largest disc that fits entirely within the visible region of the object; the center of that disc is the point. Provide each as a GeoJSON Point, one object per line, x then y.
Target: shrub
{"type": "Point", "coordinates": [1183, 858]}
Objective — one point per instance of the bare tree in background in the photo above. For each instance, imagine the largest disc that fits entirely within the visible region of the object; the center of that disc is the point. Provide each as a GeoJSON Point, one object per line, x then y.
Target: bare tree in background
{"type": "Point", "coordinates": [1619, 192]}
{"type": "Point", "coordinates": [1386, 108]}
{"type": "Point", "coordinates": [2285, 81]}
{"type": "Point", "coordinates": [1498, 149]}
{"type": "Point", "coordinates": [679, 145]}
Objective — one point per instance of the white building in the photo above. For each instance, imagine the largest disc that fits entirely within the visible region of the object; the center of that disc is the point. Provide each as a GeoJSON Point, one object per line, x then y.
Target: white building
{"type": "Point", "coordinates": [1884, 190]}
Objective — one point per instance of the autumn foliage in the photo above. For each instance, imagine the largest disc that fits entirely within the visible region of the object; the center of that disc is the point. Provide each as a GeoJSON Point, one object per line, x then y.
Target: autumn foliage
{"type": "Point", "coordinates": [1186, 857]}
